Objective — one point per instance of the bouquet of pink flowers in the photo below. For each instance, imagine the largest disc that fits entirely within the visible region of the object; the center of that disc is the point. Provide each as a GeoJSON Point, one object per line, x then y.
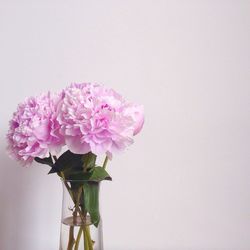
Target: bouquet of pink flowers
{"type": "Point", "coordinates": [90, 120]}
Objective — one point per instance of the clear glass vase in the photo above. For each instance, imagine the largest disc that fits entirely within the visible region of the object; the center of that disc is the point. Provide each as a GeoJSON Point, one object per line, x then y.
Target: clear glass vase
{"type": "Point", "coordinates": [80, 230]}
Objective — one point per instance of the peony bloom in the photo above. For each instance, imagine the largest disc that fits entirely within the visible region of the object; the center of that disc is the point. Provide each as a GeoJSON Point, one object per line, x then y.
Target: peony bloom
{"type": "Point", "coordinates": [137, 114]}
{"type": "Point", "coordinates": [34, 129]}
{"type": "Point", "coordinates": [97, 119]}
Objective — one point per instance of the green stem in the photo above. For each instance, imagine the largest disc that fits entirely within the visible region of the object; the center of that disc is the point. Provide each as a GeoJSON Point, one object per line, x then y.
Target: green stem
{"type": "Point", "coordinates": [89, 238]}
{"type": "Point", "coordinates": [71, 230]}
{"type": "Point", "coordinates": [67, 185]}
{"type": "Point", "coordinates": [78, 238]}
{"type": "Point", "coordinates": [71, 238]}
{"type": "Point", "coordinates": [88, 244]}
{"type": "Point", "coordinates": [105, 162]}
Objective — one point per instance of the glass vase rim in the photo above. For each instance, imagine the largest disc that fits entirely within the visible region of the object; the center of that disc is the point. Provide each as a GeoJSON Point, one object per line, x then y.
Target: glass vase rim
{"type": "Point", "coordinates": [85, 181]}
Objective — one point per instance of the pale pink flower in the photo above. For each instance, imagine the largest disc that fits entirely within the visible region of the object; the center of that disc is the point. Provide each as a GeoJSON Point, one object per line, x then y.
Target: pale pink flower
{"type": "Point", "coordinates": [136, 112]}
{"type": "Point", "coordinates": [97, 119]}
{"type": "Point", "coordinates": [34, 129]}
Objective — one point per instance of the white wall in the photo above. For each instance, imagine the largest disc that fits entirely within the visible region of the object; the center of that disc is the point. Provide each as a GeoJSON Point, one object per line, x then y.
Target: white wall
{"type": "Point", "coordinates": [185, 183]}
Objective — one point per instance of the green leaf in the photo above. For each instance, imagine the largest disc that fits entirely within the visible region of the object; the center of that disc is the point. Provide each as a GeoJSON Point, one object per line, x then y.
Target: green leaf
{"type": "Point", "coordinates": [52, 170]}
{"type": "Point", "coordinates": [89, 160]}
{"type": "Point", "coordinates": [91, 201]}
{"type": "Point", "coordinates": [99, 174]}
{"type": "Point", "coordinates": [96, 174]}
{"type": "Point", "coordinates": [67, 160]}
{"type": "Point", "coordinates": [47, 160]}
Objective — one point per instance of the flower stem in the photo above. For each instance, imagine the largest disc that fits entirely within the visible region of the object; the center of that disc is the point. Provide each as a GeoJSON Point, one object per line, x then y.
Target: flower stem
{"type": "Point", "coordinates": [86, 243]}
{"type": "Point", "coordinates": [84, 229]}
{"type": "Point", "coordinates": [105, 162]}
{"type": "Point", "coordinates": [78, 238]}
{"type": "Point", "coordinates": [71, 238]}
{"type": "Point", "coordinates": [66, 185]}
{"type": "Point", "coordinates": [89, 238]}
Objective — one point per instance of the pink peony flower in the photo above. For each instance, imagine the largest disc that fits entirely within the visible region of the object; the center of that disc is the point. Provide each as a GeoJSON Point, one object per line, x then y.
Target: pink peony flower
{"type": "Point", "coordinates": [137, 114]}
{"type": "Point", "coordinates": [97, 119]}
{"type": "Point", "coordinates": [34, 129]}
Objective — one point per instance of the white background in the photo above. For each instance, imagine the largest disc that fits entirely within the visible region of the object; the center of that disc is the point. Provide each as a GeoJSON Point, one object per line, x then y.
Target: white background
{"type": "Point", "coordinates": [185, 183]}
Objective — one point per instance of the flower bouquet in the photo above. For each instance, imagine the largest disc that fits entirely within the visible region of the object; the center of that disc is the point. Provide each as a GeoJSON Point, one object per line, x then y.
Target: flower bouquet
{"type": "Point", "coordinates": [84, 121]}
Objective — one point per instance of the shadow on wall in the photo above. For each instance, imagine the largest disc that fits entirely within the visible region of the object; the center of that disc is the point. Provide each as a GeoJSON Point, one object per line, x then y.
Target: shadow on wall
{"type": "Point", "coordinates": [13, 202]}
